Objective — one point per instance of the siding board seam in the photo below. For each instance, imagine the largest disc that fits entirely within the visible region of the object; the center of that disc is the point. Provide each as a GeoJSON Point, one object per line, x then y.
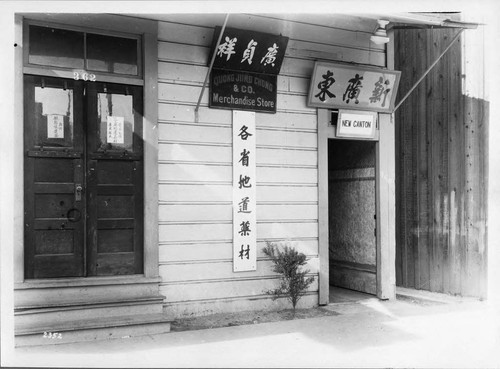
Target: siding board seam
{"type": "Point", "coordinates": [230, 222]}
{"type": "Point", "coordinates": [191, 83]}
{"type": "Point", "coordinates": [294, 40]}
{"type": "Point", "coordinates": [230, 241]}
{"type": "Point", "coordinates": [175, 103]}
{"type": "Point", "coordinates": [276, 203]}
{"type": "Point", "coordinates": [224, 280]}
{"type": "Point", "coordinates": [197, 84]}
{"type": "Point", "coordinates": [230, 164]}
{"type": "Point", "coordinates": [230, 183]}
{"type": "Point", "coordinates": [309, 111]}
{"type": "Point", "coordinates": [229, 299]}
{"type": "Point", "coordinates": [217, 144]}
{"type": "Point", "coordinates": [216, 261]}
{"type": "Point", "coordinates": [288, 49]}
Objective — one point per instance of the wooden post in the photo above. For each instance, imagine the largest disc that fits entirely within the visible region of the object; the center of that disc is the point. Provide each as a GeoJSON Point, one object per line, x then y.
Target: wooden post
{"type": "Point", "coordinates": [386, 209]}
{"type": "Point", "coordinates": [324, 282]}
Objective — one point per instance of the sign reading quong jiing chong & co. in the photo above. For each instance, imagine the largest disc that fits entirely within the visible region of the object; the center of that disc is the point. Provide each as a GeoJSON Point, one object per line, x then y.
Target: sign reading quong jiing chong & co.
{"type": "Point", "coordinates": [353, 87]}
{"type": "Point", "coordinates": [243, 91]}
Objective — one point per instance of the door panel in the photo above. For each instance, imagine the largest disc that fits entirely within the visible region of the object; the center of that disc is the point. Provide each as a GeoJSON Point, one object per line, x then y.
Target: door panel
{"type": "Point", "coordinates": [115, 180]}
{"type": "Point", "coordinates": [54, 217]}
{"type": "Point", "coordinates": [83, 178]}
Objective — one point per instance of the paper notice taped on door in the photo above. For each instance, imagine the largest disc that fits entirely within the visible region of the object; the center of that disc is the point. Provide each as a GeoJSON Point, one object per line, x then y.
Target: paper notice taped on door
{"type": "Point", "coordinates": [55, 126]}
{"type": "Point", "coordinates": [115, 127]}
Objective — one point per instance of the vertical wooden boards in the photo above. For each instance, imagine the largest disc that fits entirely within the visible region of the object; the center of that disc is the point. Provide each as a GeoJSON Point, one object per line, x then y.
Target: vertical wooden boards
{"type": "Point", "coordinates": [448, 161]}
{"type": "Point", "coordinates": [456, 167]}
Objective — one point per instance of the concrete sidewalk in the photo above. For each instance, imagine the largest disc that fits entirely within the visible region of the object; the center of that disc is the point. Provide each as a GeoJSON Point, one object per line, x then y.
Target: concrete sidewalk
{"type": "Point", "coordinates": [407, 332]}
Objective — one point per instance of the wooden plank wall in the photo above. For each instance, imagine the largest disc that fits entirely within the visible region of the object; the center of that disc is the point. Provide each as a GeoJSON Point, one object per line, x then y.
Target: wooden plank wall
{"type": "Point", "coordinates": [195, 166]}
{"type": "Point", "coordinates": [441, 170]}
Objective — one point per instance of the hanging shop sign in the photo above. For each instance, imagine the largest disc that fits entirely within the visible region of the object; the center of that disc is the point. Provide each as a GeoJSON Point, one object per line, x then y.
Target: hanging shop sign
{"type": "Point", "coordinates": [356, 124]}
{"type": "Point", "coordinates": [244, 193]}
{"type": "Point", "coordinates": [242, 91]}
{"type": "Point", "coordinates": [353, 87]}
{"type": "Point", "coordinates": [249, 51]}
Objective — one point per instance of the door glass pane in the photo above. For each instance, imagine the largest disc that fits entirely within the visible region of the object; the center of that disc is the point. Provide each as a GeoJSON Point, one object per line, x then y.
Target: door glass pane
{"type": "Point", "coordinates": [53, 112]}
{"type": "Point", "coordinates": [55, 47]}
{"type": "Point", "coordinates": [116, 117]}
{"type": "Point", "coordinates": [112, 54]}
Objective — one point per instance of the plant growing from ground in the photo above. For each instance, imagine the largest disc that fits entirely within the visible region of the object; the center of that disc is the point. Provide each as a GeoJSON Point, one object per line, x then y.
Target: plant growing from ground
{"type": "Point", "coordinates": [293, 281]}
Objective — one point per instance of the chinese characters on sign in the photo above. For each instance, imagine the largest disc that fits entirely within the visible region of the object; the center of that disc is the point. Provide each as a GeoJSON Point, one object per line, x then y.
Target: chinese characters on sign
{"type": "Point", "coordinates": [244, 201]}
{"type": "Point", "coordinates": [249, 51]}
{"type": "Point", "coordinates": [353, 87]}
{"type": "Point", "coordinates": [55, 126]}
{"type": "Point", "coordinates": [115, 130]}
{"type": "Point", "coordinates": [245, 70]}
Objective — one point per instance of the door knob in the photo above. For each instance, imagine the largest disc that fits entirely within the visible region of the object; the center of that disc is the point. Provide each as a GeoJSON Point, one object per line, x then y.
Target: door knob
{"type": "Point", "coordinates": [78, 192]}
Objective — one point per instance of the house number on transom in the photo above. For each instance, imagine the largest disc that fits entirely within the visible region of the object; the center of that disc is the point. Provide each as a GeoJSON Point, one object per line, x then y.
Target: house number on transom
{"type": "Point", "coordinates": [84, 76]}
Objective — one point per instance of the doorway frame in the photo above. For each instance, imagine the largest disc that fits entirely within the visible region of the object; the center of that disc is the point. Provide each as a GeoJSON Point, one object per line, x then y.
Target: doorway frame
{"type": "Point", "coordinates": [385, 205]}
{"type": "Point", "coordinates": [103, 24]}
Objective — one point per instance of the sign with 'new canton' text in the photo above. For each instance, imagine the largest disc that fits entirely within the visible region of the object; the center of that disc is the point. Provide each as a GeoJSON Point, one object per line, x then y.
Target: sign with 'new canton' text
{"type": "Point", "coordinates": [249, 51]}
{"type": "Point", "coordinates": [242, 91]}
{"type": "Point", "coordinates": [244, 193]}
{"type": "Point", "coordinates": [356, 124]}
{"type": "Point", "coordinates": [353, 87]}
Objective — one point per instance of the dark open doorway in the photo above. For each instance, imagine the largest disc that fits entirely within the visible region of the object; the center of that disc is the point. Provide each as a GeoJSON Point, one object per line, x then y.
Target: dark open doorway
{"type": "Point", "coordinates": [352, 215]}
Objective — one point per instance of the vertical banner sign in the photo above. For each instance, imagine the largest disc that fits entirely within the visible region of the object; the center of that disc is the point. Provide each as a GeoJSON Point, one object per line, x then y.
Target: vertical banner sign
{"type": "Point", "coordinates": [244, 201]}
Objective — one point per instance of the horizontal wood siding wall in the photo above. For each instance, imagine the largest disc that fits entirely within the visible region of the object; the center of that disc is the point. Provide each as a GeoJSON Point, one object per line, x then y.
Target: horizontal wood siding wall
{"type": "Point", "coordinates": [441, 170]}
{"type": "Point", "coordinates": [195, 164]}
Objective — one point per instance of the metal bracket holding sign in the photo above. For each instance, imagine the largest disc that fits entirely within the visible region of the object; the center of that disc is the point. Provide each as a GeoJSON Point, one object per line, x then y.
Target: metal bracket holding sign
{"type": "Point", "coordinates": [353, 87]}
{"type": "Point", "coordinates": [356, 124]}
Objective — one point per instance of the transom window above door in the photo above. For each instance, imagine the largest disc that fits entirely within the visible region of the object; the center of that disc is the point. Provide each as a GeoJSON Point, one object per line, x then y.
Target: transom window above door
{"type": "Point", "coordinates": [53, 47]}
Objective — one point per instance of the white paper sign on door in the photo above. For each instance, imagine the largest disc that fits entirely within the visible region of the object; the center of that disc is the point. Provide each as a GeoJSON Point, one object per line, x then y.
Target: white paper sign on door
{"type": "Point", "coordinates": [244, 199]}
{"type": "Point", "coordinates": [115, 130]}
{"type": "Point", "coordinates": [55, 126]}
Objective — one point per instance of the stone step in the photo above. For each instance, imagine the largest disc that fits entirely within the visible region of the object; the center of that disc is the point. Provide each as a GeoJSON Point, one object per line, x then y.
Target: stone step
{"type": "Point", "coordinates": [29, 315]}
{"type": "Point", "coordinates": [30, 293]}
{"type": "Point", "coordinates": [92, 329]}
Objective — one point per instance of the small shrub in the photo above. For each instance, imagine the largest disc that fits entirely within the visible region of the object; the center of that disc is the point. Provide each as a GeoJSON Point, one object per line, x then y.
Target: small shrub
{"type": "Point", "coordinates": [287, 262]}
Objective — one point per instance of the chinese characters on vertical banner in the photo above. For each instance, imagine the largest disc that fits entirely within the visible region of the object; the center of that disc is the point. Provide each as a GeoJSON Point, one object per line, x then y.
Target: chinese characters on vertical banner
{"type": "Point", "coordinates": [353, 87]}
{"type": "Point", "coordinates": [244, 201]}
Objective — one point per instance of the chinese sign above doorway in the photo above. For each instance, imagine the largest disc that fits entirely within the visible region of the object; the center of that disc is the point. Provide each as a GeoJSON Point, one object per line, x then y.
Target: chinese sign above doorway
{"type": "Point", "coordinates": [249, 51]}
{"type": "Point", "coordinates": [244, 201]}
{"type": "Point", "coordinates": [353, 87]}
{"type": "Point", "coordinates": [243, 91]}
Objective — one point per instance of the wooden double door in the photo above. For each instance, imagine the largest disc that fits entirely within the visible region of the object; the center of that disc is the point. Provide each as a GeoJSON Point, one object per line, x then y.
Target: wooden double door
{"type": "Point", "coordinates": [83, 178]}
